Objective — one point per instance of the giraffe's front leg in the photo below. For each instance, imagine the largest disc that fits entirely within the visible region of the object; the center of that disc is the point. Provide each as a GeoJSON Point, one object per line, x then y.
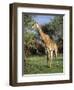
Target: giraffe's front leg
{"type": "Point", "coordinates": [51, 57]}
{"type": "Point", "coordinates": [47, 53]}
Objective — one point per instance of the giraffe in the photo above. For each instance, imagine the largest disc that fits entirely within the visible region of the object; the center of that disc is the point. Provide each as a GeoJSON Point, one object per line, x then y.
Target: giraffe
{"type": "Point", "coordinates": [50, 45]}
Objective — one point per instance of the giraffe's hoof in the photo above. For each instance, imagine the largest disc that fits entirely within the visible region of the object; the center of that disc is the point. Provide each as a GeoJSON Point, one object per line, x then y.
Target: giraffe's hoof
{"type": "Point", "coordinates": [49, 66]}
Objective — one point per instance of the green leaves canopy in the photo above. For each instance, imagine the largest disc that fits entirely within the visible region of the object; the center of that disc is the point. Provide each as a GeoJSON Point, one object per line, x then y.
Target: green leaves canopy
{"type": "Point", "coordinates": [56, 24]}
{"type": "Point", "coordinates": [28, 21]}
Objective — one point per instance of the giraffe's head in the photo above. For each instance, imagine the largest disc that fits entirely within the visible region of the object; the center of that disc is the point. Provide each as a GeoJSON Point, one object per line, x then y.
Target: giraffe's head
{"type": "Point", "coordinates": [35, 26]}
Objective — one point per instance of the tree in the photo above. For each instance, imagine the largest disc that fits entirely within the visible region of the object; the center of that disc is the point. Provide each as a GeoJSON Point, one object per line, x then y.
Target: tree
{"type": "Point", "coordinates": [57, 25]}
{"type": "Point", "coordinates": [28, 21]}
{"type": "Point", "coordinates": [28, 33]}
{"type": "Point", "coordinates": [29, 38]}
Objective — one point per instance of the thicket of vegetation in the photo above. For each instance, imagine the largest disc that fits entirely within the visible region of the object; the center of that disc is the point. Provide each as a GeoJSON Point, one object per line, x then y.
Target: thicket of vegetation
{"type": "Point", "coordinates": [54, 29]}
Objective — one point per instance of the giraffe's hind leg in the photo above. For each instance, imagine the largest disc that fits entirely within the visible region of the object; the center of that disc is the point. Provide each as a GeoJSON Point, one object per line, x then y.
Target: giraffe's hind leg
{"type": "Point", "coordinates": [48, 57]}
{"type": "Point", "coordinates": [56, 53]}
{"type": "Point", "coordinates": [48, 60]}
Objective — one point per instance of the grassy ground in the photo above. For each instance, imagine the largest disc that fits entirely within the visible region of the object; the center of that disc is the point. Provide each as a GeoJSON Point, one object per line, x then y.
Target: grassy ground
{"type": "Point", "coordinates": [38, 65]}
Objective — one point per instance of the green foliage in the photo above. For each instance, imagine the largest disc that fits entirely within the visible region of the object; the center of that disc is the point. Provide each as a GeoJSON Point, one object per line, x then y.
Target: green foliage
{"type": "Point", "coordinates": [29, 38]}
{"type": "Point", "coordinates": [56, 24]}
{"type": "Point", "coordinates": [28, 34]}
{"type": "Point", "coordinates": [28, 21]}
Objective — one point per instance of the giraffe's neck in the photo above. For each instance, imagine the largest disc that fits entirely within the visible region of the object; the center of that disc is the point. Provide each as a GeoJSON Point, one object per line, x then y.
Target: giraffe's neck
{"type": "Point", "coordinates": [40, 32]}
{"type": "Point", "coordinates": [46, 39]}
{"type": "Point", "coordinates": [39, 28]}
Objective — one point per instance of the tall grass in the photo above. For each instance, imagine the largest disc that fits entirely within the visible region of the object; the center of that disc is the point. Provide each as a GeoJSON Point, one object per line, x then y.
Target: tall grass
{"type": "Point", "coordinates": [38, 65]}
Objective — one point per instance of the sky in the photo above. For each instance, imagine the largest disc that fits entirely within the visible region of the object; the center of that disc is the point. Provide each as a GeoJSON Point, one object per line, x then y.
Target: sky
{"type": "Point", "coordinates": [43, 19]}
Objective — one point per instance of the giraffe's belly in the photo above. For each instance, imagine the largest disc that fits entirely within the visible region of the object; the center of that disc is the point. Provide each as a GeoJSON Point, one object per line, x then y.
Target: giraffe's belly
{"type": "Point", "coordinates": [52, 47]}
